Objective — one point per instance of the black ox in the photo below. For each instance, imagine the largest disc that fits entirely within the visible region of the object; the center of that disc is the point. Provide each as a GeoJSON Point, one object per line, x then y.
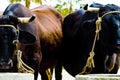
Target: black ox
{"type": "Point", "coordinates": [90, 43]}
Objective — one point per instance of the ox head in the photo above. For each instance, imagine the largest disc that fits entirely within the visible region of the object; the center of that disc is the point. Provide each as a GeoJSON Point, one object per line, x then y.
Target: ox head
{"type": "Point", "coordinates": [9, 36]}
{"type": "Point", "coordinates": [110, 18]}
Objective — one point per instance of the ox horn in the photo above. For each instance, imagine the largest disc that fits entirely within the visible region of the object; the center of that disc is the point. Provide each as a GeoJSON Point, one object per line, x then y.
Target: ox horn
{"type": "Point", "coordinates": [92, 9]}
{"type": "Point", "coordinates": [26, 19]}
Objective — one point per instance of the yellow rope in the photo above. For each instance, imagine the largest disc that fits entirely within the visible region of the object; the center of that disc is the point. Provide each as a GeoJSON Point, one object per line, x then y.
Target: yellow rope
{"type": "Point", "coordinates": [22, 67]}
{"type": "Point", "coordinates": [110, 13]}
{"type": "Point", "coordinates": [90, 60]}
{"type": "Point", "coordinates": [48, 74]}
{"type": "Point", "coordinates": [7, 25]}
{"type": "Point", "coordinates": [98, 26]}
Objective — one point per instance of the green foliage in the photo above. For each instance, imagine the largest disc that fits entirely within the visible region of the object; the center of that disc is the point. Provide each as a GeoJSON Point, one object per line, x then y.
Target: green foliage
{"type": "Point", "coordinates": [64, 7]}
{"type": "Point", "coordinates": [37, 1]}
{"type": "Point", "coordinates": [67, 6]}
{"type": "Point", "coordinates": [63, 11]}
{"type": "Point", "coordinates": [12, 1]}
{"type": "Point", "coordinates": [27, 2]}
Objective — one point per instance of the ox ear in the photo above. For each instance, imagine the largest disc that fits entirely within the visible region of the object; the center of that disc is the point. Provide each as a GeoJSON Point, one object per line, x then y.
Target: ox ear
{"type": "Point", "coordinates": [26, 37]}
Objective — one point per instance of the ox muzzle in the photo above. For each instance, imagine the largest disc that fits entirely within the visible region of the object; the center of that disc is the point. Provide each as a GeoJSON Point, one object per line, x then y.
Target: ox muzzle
{"type": "Point", "coordinates": [6, 63]}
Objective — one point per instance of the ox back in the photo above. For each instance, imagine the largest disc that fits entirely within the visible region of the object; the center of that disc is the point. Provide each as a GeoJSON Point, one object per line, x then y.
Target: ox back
{"type": "Point", "coordinates": [39, 40]}
{"type": "Point", "coordinates": [78, 41]}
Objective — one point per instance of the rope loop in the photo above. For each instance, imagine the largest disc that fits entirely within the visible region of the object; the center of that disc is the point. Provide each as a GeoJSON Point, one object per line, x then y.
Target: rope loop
{"type": "Point", "coordinates": [22, 67]}
{"type": "Point", "coordinates": [90, 64]}
{"type": "Point", "coordinates": [90, 60]}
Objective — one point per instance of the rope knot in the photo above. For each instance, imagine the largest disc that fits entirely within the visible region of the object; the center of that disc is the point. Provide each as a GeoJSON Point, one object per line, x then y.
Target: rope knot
{"type": "Point", "coordinates": [99, 20]}
{"type": "Point", "coordinates": [90, 64]}
{"type": "Point", "coordinates": [98, 26]}
{"type": "Point", "coordinates": [90, 60]}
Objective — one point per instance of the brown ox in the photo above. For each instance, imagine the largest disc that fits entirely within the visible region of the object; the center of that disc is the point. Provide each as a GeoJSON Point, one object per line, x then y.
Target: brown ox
{"type": "Point", "coordinates": [50, 33]}
{"type": "Point", "coordinates": [39, 37]}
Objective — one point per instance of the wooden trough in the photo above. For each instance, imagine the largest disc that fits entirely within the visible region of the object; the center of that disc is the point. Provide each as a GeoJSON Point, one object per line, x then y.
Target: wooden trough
{"type": "Point", "coordinates": [16, 76]}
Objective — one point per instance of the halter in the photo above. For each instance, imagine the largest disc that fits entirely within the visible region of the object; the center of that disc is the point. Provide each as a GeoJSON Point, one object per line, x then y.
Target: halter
{"type": "Point", "coordinates": [90, 61]}
{"type": "Point", "coordinates": [22, 67]}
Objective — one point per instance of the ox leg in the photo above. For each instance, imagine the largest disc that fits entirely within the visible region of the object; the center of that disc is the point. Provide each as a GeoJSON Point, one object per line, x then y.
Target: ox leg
{"type": "Point", "coordinates": [113, 63]}
{"type": "Point", "coordinates": [46, 75]}
{"type": "Point", "coordinates": [35, 65]}
{"type": "Point", "coordinates": [35, 71]}
{"type": "Point", "coordinates": [51, 70]}
{"type": "Point", "coordinates": [117, 64]}
{"type": "Point", "coordinates": [35, 75]}
{"type": "Point", "coordinates": [58, 71]}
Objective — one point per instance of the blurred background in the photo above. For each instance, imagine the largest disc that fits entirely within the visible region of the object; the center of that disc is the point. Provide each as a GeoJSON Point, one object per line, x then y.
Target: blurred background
{"type": "Point", "coordinates": [63, 6]}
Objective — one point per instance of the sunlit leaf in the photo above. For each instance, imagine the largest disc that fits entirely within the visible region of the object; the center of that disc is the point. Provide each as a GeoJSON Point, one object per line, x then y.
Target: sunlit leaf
{"type": "Point", "coordinates": [37, 1]}
{"type": "Point", "coordinates": [64, 7]}
{"type": "Point", "coordinates": [64, 11]}
{"type": "Point", "coordinates": [70, 8]}
{"type": "Point", "coordinates": [11, 1]}
{"type": "Point", "coordinates": [27, 3]}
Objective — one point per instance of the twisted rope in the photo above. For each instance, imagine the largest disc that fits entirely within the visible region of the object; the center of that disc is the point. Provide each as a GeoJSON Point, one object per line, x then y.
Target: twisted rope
{"type": "Point", "coordinates": [90, 61]}
{"type": "Point", "coordinates": [22, 67]}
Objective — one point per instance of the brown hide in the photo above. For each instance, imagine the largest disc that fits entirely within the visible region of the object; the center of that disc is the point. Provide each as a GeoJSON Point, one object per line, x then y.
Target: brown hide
{"type": "Point", "coordinates": [49, 28]}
